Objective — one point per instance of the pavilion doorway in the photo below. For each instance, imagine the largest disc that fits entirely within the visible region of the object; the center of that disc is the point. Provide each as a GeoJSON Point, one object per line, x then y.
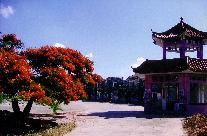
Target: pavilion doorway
{"type": "Point", "coordinates": [169, 96]}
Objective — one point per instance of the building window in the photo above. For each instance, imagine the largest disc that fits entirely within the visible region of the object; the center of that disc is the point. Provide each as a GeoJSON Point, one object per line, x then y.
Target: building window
{"type": "Point", "coordinates": [198, 93]}
{"type": "Point", "coordinates": [198, 78]}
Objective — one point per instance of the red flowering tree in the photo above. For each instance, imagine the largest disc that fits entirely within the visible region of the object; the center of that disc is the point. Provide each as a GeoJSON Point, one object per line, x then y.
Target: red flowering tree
{"type": "Point", "coordinates": [15, 75]}
{"type": "Point", "coordinates": [47, 75]}
{"type": "Point", "coordinates": [9, 41]}
{"type": "Point", "coordinates": [62, 72]}
{"type": "Point", "coordinates": [97, 78]}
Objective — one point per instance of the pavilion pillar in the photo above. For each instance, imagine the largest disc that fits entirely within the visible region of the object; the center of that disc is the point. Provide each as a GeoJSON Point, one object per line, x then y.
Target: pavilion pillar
{"type": "Point", "coordinates": [200, 52]}
{"type": "Point", "coordinates": [148, 82]}
{"type": "Point", "coordinates": [184, 89]}
{"type": "Point", "coordinates": [148, 94]}
{"type": "Point", "coordinates": [164, 52]}
{"type": "Point", "coordinates": [182, 52]}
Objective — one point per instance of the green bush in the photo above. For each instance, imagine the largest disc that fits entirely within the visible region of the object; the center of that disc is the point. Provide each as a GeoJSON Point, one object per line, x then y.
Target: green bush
{"type": "Point", "coordinates": [55, 106]}
{"type": "Point", "coordinates": [1, 98]}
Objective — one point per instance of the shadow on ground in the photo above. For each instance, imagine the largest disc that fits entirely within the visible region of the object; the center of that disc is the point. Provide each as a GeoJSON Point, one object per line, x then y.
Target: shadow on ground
{"type": "Point", "coordinates": [120, 103]}
{"type": "Point", "coordinates": [136, 114]}
{"type": "Point", "coordinates": [11, 124]}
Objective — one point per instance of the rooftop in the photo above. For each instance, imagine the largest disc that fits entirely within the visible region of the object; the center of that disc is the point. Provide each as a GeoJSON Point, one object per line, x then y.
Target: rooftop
{"type": "Point", "coordinates": [172, 65]}
{"type": "Point", "coordinates": [179, 32]}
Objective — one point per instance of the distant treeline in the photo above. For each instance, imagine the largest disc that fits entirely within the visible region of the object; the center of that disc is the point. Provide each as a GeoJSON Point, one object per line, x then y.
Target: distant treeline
{"type": "Point", "coordinates": [117, 90]}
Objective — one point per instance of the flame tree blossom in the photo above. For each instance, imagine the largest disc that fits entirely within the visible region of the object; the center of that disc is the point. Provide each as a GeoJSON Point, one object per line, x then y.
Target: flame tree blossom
{"type": "Point", "coordinates": [47, 75]}
{"type": "Point", "coordinates": [62, 72]}
{"type": "Point", "coordinates": [10, 41]}
{"type": "Point", "coordinates": [15, 73]}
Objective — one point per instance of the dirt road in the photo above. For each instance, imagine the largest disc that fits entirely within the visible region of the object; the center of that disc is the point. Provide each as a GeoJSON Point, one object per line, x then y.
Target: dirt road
{"type": "Point", "coordinates": [105, 119]}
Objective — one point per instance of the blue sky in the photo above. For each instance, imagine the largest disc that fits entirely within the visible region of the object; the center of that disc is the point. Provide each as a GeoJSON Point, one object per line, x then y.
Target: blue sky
{"type": "Point", "coordinates": [115, 34]}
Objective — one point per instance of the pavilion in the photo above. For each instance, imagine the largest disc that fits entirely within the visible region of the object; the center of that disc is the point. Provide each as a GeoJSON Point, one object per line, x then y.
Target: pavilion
{"type": "Point", "coordinates": [179, 84]}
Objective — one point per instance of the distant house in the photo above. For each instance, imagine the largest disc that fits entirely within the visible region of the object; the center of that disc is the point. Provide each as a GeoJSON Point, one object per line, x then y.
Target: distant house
{"type": "Point", "coordinates": [135, 88]}
{"type": "Point", "coordinates": [179, 84]}
{"type": "Point", "coordinates": [106, 89]}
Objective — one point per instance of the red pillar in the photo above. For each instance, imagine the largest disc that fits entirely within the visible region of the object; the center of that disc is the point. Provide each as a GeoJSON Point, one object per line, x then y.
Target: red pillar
{"type": "Point", "coordinates": [148, 82]}
{"type": "Point", "coordinates": [148, 94]}
{"type": "Point", "coordinates": [182, 52]}
{"type": "Point", "coordinates": [200, 52]}
{"type": "Point", "coordinates": [184, 85]}
{"type": "Point", "coordinates": [164, 52]}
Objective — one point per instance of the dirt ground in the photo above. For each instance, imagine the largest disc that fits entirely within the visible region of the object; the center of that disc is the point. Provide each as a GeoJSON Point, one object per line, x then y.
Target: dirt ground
{"type": "Point", "coordinates": [106, 119]}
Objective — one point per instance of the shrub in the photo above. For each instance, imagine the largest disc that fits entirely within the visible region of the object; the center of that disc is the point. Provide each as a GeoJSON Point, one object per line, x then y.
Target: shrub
{"type": "Point", "coordinates": [196, 125]}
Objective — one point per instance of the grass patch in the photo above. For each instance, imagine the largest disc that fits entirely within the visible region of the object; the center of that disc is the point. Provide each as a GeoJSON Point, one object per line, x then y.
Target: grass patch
{"type": "Point", "coordinates": [196, 125]}
{"type": "Point", "coordinates": [59, 130]}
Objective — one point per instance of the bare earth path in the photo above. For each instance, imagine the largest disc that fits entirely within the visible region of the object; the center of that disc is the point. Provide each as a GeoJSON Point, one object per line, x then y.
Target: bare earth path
{"type": "Point", "coordinates": [105, 119]}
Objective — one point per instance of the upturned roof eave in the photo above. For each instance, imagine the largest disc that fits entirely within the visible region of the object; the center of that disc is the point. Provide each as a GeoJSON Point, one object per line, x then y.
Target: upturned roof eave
{"type": "Point", "coordinates": [181, 72]}
{"type": "Point", "coordinates": [177, 30]}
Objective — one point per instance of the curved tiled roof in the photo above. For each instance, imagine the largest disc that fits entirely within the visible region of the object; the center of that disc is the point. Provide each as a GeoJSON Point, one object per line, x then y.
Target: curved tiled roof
{"type": "Point", "coordinates": [197, 65]}
{"type": "Point", "coordinates": [172, 65]}
{"type": "Point", "coordinates": [180, 30]}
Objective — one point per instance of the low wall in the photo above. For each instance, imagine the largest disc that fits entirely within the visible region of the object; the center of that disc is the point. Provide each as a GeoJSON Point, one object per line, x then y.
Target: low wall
{"type": "Point", "coordinates": [199, 108]}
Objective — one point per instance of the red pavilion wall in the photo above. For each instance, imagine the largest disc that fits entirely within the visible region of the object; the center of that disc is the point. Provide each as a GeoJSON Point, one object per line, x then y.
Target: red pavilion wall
{"type": "Point", "coordinates": [184, 83]}
{"type": "Point", "coordinates": [191, 109]}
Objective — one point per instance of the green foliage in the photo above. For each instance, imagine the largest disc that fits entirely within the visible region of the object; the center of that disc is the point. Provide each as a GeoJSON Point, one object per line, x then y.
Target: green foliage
{"type": "Point", "coordinates": [1, 98]}
{"type": "Point", "coordinates": [15, 97]}
{"type": "Point", "coordinates": [4, 97]}
{"type": "Point", "coordinates": [7, 97]}
{"type": "Point", "coordinates": [55, 106]}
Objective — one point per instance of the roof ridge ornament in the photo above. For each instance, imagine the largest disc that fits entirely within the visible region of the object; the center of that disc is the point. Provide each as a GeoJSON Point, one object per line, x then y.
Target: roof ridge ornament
{"type": "Point", "coordinates": [181, 19]}
{"type": "Point", "coordinates": [182, 22]}
{"type": "Point", "coordinates": [152, 31]}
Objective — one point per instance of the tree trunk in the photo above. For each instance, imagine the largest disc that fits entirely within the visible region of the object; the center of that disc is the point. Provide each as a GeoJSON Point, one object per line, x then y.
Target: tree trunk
{"type": "Point", "coordinates": [15, 106]}
{"type": "Point", "coordinates": [28, 107]}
